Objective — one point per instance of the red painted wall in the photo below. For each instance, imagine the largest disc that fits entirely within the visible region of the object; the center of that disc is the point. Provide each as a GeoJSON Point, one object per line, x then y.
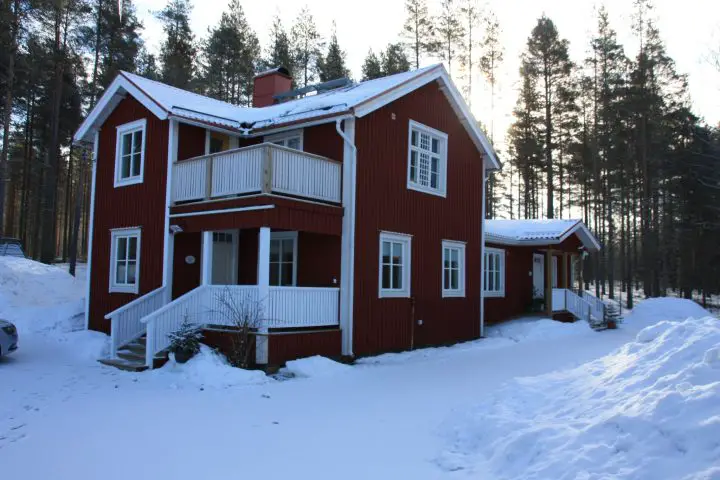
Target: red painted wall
{"type": "Point", "coordinates": [140, 205]}
{"type": "Point", "coordinates": [191, 141]}
{"type": "Point", "coordinates": [285, 347]}
{"type": "Point", "coordinates": [385, 203]}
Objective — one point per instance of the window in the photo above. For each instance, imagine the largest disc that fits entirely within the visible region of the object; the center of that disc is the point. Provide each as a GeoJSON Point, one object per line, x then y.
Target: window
{"type": "Point", "coordinates": [494, 278]}
{"type": "Point", "coordinates": [125, 260]}
{"type": "Point", "coordinates": [394, 265]}
{"type": "Point", "coordinates": [453, 257]}
{"type": "Point", "coordinates": [292, 139]}
{"type": "Point", "coordinates": [427, 159]}
{"type": "Point", "coordinates": [283, 259]}
{"type": "Point", "coordinates": [130, 153]}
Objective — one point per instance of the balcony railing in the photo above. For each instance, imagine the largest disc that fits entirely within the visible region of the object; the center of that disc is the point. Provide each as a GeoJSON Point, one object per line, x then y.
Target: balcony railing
{"type": "Point", "coordinates": [260, 168]}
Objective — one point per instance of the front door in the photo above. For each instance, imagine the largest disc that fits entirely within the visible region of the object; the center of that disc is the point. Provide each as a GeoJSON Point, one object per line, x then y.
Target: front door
{"type": "Point", "coordinates": [224, 257]}
{"type": "Point", "coordinates": [538, 273]}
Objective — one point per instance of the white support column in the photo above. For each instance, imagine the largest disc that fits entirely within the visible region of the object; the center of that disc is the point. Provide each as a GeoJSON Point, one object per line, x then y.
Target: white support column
{"type": "Point", "coordinates": [96, 144]}
{"type": "Point", "coordinates": [347, 260]}
{"type": "Point", "coordinates": [168, 250]}
{"type": "Point", "coordinates": [206, 258]}
{"type": "Point", "coordinates": [263, 276]}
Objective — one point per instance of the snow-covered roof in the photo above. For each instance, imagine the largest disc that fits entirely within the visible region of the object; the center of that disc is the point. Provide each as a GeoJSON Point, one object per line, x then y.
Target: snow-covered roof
{"type": "Point", "coordinates": [538, 232]}
{"type": "Point", "coordinates": [357, 99]}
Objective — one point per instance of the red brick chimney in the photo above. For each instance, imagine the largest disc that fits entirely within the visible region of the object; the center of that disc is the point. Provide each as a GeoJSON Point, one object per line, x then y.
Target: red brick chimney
{"type": "Point", "coordinates": [270, 83]}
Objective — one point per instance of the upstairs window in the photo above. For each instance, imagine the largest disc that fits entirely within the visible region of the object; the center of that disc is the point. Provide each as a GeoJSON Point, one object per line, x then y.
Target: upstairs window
{"type": "Point", "coordinates": [125, 260]}
{"type": "Point", "coordinates": [494, 275]}
{"type": "Point", "coordinates": [427, 159]}
{"type": "Point", "coordinates": [394, 265]}
{"type": "Point", "coordinates": [453, 257]}
{"type": "Point", "coordinates": [293, 139]}
{"type": "Point", "coordinates": [130, 153]}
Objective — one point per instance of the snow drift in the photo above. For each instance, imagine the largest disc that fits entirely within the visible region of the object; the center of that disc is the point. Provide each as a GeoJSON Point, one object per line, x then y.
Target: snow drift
{"type": "Point", "coordinates": [649, 410]}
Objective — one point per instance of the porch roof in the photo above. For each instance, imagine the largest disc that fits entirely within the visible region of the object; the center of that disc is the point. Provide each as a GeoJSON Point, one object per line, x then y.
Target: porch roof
{"type": "Point", "coordinates": [538, 232]}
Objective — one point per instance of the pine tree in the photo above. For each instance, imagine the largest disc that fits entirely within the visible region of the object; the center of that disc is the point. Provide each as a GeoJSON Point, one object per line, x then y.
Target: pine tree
{"type": "Point", "coordinates": [147, 65]}
{"type": "Point", "coordinates": [394, 60]}
{"type": "Point", "coordinates": [372, 68]}
{"type": "Point", "coordinates": [449, 32]}
{"type": "Point", "coordinates": [279, 53]}
{"type": "Point", "coordinates": [490, 60]}
{"type": "Point", "coordinates": [419, 30]}
{"type": "Point", "coordinates": [307, 46]}
{"type": "Point", "coordinates": [178, 51]}
{"type": "Point", "coordinates": [230, 55]}
{"type": "Point", "coordinates": [470, 19]}
{"type": "Point", "coordinates": [547, 59]}
{"type": "Point", "coordinates": [332, 65]}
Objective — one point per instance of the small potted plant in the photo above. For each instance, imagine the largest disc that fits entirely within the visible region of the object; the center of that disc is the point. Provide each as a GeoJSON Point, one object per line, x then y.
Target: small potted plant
{"type": "Point", "coordinates": [185, 341]}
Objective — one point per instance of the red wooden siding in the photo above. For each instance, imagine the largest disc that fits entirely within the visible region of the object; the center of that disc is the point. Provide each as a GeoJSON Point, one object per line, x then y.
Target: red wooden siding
{"type": "Point", "coordinates": [385, 203]}
{"type": "Point", "coordinates": [140, 205]}
{"type": "Point", "coordinates": [285, 347]}
{"type": "Point", "coordinates": [318, 260]}
{"type": "Point", "coordinates": [191, 141]}
{"type": "Point", "coordinates": [186, 276]}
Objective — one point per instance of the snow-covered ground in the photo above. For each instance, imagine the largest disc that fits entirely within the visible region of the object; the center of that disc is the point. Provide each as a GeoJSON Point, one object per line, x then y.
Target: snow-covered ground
{"type": "Point", "coordinates": [538, 399]}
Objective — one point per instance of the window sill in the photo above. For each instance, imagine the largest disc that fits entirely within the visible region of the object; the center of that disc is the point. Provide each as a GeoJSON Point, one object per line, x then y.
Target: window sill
{"type": "Point", "coordinates": [494, 294]}
{"type": "Point", "coordinates": [394, 294]}
{"type": "Point", "coordinates": [124, 289]}
{"type": "Point", "coordinates": [128, 181]}
{"type": "Point", "coordinates": [453, 294]}
{"type": "Point", "coordinates": [429, 191]}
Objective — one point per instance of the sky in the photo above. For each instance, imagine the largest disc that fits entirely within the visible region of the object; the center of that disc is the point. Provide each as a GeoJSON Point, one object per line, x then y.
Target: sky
{"type": "Point", "coordinates": [689, 28]}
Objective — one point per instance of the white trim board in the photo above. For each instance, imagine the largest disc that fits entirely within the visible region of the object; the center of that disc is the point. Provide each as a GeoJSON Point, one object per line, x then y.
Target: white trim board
{"type": "Point", "coordinates": [227, 210]}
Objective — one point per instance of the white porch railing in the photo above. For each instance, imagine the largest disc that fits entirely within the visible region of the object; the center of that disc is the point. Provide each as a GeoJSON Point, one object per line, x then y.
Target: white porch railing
{"type": "Point", "coordinates": [125, 322]}
{"type": "Point", "coordinates": [585, 308]}
{"type": "Point", "coordinates": [558, 299]}
{"type": "Point", "coordinates": [597, 306]}
{"type": "Point", "coordinates": [576, 305]}
{"type": "Point", "coordinates": [259, 168]}
{"type": "Point", "coordinates": [289, 307]}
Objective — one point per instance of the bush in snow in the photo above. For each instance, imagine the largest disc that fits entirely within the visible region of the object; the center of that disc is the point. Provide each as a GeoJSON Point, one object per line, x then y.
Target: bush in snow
{"type": "Point", "coordinates": [244, 315]}
{"type": "Point", "coordinates": [185, 340]}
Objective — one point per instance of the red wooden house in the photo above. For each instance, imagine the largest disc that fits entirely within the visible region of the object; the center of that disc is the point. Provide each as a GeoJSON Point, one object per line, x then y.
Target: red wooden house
{"type": "Point", "coordinates": [352, 218]}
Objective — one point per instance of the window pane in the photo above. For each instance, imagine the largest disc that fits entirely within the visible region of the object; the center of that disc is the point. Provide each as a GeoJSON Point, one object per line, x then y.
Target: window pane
{"type": "Point", "coordinates": [424, 141]}
{"type": "Point", "coordinates": [413, 166]}
{"type": "Point", "coordinates": [287, 250]}
{"type": "Point", "coordinates": [132, 249]}
{"type": "Point", "coordinates": [454, 254]}
{"type": "Point", "coordinates": [286, 272]}
{"type": "Point", "coordinates": [131, 272]}
{"type": "Point", "coordinates": [275, 274]}
{"type": "Point", "coordinates": [397, 253]}
{"type": "Point", "coordinates": [125, 167]}
{"type": "Point", "coordinates": [397, 277]}
{"type": "Point", "coordinates": [294, 143]}
{"type": "Point", "coordinates": [120, 270]}
{"type": "Point", "coordinates": [413, 137]}
{"type": "Point", "coordinates": [126, 141]}
{"type": "Point", "coordinates": [274, 251]}
{"type": "Point", "coordinates": [386, 252]}
{"type": "Point", "coordinates": [135, 170]}
{"type": "Point", "coordinates": [386, 276]}
{"type": "Point", "coordinates": [435, 145]}
{"type": "Point", "coordinates": [121, 253]}
{"type": "Point", "coordinates": [424, 169]}
{"type": "Point", "coordinates": [137, 141]}
{"type": "Point", "coordinates": [454, 279]}
{"type": "Point", "coordinates": [446, 279]}
{"type": "Point", "coordinates": [491, 283]}
{"type": "Point", "coordinates": [216, 145]}
{"type": "Point", "coordinates": [497, 280]}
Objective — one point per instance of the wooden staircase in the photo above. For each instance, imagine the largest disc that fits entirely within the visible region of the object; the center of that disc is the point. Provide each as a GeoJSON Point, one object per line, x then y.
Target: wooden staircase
{"type": "Point", "coordinates": [130, 357]}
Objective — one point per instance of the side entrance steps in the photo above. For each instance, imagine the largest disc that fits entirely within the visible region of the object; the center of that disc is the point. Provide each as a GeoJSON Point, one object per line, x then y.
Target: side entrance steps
{"type": "Point", "coordinates": [131, 357]}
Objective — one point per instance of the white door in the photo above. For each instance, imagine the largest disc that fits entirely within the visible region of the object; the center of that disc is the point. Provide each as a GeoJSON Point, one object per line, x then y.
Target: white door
{"type": "Point", "coordinates": [538, 272]}
{"type": "Point", "coordinates": [224, 257]}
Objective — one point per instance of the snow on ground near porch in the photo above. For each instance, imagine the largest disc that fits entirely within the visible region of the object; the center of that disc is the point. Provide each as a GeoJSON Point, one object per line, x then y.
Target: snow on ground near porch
{"type": "Point", "coordinates": [426, 414]}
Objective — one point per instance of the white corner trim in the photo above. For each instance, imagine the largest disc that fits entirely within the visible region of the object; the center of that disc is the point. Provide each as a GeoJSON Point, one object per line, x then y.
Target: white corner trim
{"type": "Point", "coordinates": [483, 232]}
{"type": "Point", "coordinates": [406, 242]}
{"type": "Point", "coordinates": [460, 291]}
{"type": "Point", "coordinates": [441, 190]}
{"type": "Point", "coordinates": [116, 233]}
{"type": "Point", "coordinates": [128, 128]}
{"type": "Point", "coordinates": [91, 228]}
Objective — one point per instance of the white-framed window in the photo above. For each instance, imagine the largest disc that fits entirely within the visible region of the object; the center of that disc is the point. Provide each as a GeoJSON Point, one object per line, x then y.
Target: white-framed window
{"type": "Point", "coordinates": [494, 275]}
{"type": "Point", "coordinates": [453, 269]}
{"type": "Point", "coordinates": [130, 153]}
{"type": "Point", "coordinates": [125, 260]}
{"type": "Point", "coordinates": [427, 159]}
{"type": "Point", "coordinates": [283, 259]}
{"type": "Point", "coordinates": [394, 265]}
{"type": "Point", "coordinates": [291, 139]}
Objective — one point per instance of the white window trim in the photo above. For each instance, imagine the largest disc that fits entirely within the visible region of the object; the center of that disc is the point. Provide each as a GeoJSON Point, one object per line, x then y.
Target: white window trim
{"type": "Point", "coordinates": [406, 241]}
{"type": "Point", "coordinates": [501, 292]}
{"type": "Point", "coordinates": [441, 191]}
{"type": "Point", "coordinates": [286, 136]}
{"type": "Point", "coordinates": [460, 291]}
{"type": "Point", "coordinates": [138, 125]}
{"type": "Point", "coordinates": [114, 235]}
{"type": "Point", "coordinates": [294, 237]}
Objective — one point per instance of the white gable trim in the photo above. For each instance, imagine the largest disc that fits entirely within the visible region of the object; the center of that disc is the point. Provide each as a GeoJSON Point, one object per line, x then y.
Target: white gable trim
{"type": "Point", "coordinates": [586, 237]}
{"type": "Point", "coordinates": [117, 91]}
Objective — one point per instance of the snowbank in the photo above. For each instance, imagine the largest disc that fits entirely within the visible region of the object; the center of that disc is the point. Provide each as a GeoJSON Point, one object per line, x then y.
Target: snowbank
{"type": "Point", "coordinates": [209, 369]}
{"type": "Point", "coordinates": [532, 329]}
{"type": "Point", "coordinates": [316, 366]}
{"type": "Point", "coordinates": [653, 310]}
{"type": "Point", "coordinates": [649, 410]}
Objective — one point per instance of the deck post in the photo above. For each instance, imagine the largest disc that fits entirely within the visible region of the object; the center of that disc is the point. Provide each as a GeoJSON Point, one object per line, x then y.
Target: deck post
{"type": "Point", "coordinates": [206, 258]}
{"type": "Point", "coordinates": [565, 282]}
{"type": "Point", "coordinates": [548, 281]}
{"type": "Point", "coordinates": [263, 275]}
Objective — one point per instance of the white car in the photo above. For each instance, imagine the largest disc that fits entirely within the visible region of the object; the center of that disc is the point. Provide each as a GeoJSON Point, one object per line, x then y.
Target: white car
{"type": "Point", "coordinates": [8, 338]}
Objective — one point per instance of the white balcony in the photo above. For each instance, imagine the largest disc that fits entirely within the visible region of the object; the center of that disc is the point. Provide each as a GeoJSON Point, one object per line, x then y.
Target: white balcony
{"type": "Point", "coordinates": [263, 168]}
